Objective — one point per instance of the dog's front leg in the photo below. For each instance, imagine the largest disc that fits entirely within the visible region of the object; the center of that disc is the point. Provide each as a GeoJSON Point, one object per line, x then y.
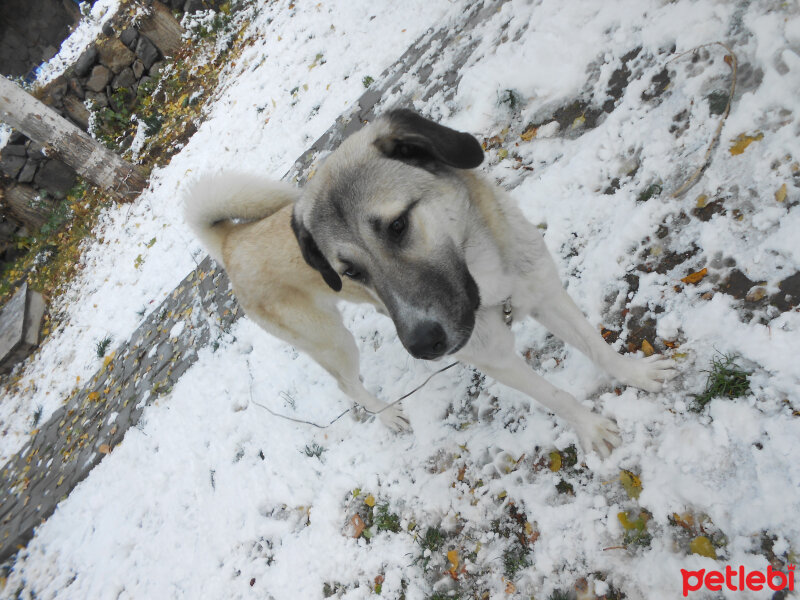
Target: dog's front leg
{"type": "Point", "coordinates": [553, 308]}
{"type": "Point", "coordinates": [491, 350]}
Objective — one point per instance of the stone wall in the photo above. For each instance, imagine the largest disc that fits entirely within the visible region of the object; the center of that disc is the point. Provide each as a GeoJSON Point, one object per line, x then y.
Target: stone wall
{"type": "Point", "coordinates": [111, 72]}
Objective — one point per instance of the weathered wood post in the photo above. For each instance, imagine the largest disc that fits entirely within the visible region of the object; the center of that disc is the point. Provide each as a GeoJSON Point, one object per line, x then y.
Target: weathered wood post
{"type": "Point", "coordinates": [89, 158]}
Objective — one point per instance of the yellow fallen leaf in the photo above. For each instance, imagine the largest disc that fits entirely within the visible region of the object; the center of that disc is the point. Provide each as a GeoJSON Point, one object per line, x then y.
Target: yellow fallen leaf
{"type": "Point", "coordinates": [510, 587]}
{"type": "Point", "coordinates": [742, 141]}
{"type": "Point", "coordinates": [647, 348]}
{"type": "Point", "coordinates": [555, 461]}
{"type": "Point", "coordinates": [528, 134]}
{"type": "Point", "coordinates": [702, 200]}
{"type": "Point", "coordinates": [104, 449]}
{"type": "Point", "coordinates": [370, 500]}
{"type": "Point", "coordinates": [780, 195]}
{"type": "Point", "coordinates": [452, 556]}
{"type": "Point", "coordinates": [702, 545]}
{"type": "Point", "coordinates": [686, 520]}
{"type": "Point", "coordinates": [695, 277]}
{"type": "Point", "coordinates": [631, 483]}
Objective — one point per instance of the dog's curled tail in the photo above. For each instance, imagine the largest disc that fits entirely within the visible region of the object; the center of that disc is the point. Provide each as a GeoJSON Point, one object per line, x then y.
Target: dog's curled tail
{"type": "Point", "coordinates": [213, 201]}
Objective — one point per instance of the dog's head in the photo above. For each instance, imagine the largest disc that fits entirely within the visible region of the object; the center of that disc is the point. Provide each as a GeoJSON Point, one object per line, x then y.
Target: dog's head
{"type": "Point", "coordinates": [390, 210]}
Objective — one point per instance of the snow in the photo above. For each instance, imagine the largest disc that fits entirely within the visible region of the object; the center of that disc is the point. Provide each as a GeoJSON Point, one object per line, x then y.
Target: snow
{"type": "Point", "coordinates": [212, 496]}
{"type": "Point", "coordinates": [87, 30]}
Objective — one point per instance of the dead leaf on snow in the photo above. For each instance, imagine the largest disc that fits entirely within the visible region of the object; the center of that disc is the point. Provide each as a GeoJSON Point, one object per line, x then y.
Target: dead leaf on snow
{"type": "Point", "coordinates": [742, 141]}
{"type": "Point", "coordinates": [780, 195]}
{"type": "Point", "coordinates": [358, 525]}
{"type": "Point", "coordinates": [528, 134]}
{"type": "Point", "coordinates": [702, 545]}
{"type": "Point", "coordinates": [695, 277]}
{"type": "Point", "coordinates": [631, 483]}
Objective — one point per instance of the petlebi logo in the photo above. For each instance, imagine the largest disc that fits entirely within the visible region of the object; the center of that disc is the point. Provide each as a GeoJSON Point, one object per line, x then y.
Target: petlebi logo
{"type": "Point", "coordinates": [737, 579]}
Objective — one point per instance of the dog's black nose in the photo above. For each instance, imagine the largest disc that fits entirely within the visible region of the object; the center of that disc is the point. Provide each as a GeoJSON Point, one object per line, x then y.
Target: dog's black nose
{"type": "Point", "coordinates": [427, 341]}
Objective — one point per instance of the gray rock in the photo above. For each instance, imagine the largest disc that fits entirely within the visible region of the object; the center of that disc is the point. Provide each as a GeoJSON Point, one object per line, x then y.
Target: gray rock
{"type": "Point", "coordinates": [147, 51]}
{"type": "Point", "coordinates": [125, 79]}
{"type": "Point", "coordinates": [138, 68]}
{"type": "Point", "coordinates": [129, 36]}
{"type": "Point", "coordinates": [144, 84]}
{"type": "Point", "coordinates": [11, 164]}
{"type": "Point", "coordinates": [121, 98]}
{"type": "Point", "coordinates": [98, 99]}
{"type": "Point", "coordinates": [55, 177]}
{"type": "Point", "coordinates": [35, 151]}
{"type": "Point", "coordinates": [48, 52]}
{"type": "Point", "coordinates": [176, 4]}
{"type": "Point", "coordinates": [157, 68]}
{"type": "Point", "coordinates": [192, 5]}
{"type": "Point", "coordinates": [28, 171]}
{"type": "Point", "coordinates": [15, 150]}
{"type": "Point", "coordinates": [108, 28]}
{"type": "Point", "coordinates": [101, 75]}
{"type": "Point", "coordinates": [84, 63]}
{"type": "Point", "coordinates": [115, 55]}
{"type": "Point", "coordinates": [77, 89]}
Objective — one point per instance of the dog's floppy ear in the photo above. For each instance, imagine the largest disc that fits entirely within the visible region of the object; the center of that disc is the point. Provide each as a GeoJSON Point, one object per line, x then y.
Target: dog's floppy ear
{"type": "Point", "coordinates": [313, 256]}
{"type": "Point", "coordinates": [418, 141]}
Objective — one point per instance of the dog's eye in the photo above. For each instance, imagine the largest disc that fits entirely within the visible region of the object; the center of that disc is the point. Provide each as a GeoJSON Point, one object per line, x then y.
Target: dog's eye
{"type": "Point", "coordinates": [353, 273]}
{"type": "Point", "coordinates": [398, 227]}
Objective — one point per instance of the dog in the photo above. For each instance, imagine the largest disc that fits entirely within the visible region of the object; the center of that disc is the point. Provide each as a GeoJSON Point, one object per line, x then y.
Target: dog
{"type": "Point", "coordinates": [397, 217]}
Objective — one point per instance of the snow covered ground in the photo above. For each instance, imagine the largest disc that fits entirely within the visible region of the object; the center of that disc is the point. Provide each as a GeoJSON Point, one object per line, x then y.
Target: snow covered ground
{"type": "Point", "coordinates": [214, 497]}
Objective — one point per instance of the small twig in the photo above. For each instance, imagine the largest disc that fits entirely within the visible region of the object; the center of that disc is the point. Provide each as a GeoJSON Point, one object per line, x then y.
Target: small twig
{"type": "Point", "coordinates": [733, 64]}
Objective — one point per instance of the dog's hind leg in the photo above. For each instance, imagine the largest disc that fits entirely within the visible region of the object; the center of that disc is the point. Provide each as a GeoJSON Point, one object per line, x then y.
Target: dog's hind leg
{"type": "Point", "coordinates": [491, 350]}
{"type": "Point", "coordinates": [321, 334]}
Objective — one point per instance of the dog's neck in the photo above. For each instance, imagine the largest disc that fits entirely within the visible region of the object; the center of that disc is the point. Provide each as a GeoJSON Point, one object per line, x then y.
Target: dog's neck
{"type": "Point", "coordinates": [489, 268]}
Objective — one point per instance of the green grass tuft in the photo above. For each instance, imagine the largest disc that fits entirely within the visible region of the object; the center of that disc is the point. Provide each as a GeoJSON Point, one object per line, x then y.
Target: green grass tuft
{"type": "Point", "coordinates": [515, 559]}
{"type": "Point", "coordinates": [385, 520]}
{"type": "Point", "coordinates": [314, 450]}
{"type": "Point", "coordinates": [726, 379]}
{"type": "Point", "coordinates": [102, 346]}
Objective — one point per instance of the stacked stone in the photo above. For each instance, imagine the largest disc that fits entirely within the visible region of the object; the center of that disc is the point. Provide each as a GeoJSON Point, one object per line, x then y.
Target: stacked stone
{"type": "Point", "coordinates": [32, 183]}
{"type": "Point", "coordinates": [108, 74]}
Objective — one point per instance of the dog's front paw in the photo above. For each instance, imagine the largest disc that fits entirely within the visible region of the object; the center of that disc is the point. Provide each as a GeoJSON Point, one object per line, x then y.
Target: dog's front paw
{"type": "Point", "coordinates": [597, 433]}
{"type": "Point", "coordinates": [394, 419]}
{"type": "Point", "coordinates": [648, 374]}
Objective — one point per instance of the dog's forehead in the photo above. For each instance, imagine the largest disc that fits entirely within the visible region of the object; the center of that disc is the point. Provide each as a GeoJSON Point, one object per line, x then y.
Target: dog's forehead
{"type": "Point", "coordinates": [358, 190]}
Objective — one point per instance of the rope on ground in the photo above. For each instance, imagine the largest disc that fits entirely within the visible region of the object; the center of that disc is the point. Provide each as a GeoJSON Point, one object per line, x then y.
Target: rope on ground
{"type": "Point", "coordinates": [318, 426]}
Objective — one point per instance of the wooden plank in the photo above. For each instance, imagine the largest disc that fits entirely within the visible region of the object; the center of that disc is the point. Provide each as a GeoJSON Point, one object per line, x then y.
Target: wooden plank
{"type": "Point", "coordinates": [12, 325]}
{"type": "Point", "coordinates": [73, 146]}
